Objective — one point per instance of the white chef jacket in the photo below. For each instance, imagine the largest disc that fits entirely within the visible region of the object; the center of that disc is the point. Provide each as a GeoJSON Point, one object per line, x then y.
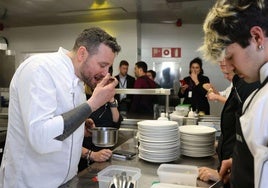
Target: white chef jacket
{"type": "Point", "coordinates": [43, 87]}
{"type": "Point", "coordinates": [254, 124]}
{"type": "Point", "coordinates": [225, 93]}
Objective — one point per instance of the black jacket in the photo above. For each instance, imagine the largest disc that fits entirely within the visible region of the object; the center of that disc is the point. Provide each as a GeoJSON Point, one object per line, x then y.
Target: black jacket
{"type": "Point", "coordinates": [125, 104]}
{"type": "Point", "coordinates": [198, 100]}
{"type": "Point", "coordinates": [230, 117]}
{"type": "Point", "coordinates": [102, 117]}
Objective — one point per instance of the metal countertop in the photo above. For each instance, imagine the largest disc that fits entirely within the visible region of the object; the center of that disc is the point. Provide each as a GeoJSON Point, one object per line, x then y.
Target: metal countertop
{"type": "Point", "coordinates": [148, 169]}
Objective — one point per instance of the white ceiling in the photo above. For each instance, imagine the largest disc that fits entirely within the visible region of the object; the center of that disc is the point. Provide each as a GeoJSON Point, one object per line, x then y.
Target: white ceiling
{"type": "Point", "coordinates": [18, 13]}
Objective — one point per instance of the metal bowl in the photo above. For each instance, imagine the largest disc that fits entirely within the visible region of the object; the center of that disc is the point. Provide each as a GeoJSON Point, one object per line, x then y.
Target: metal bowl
{"type": "Point", "coordinates": [104, 136]}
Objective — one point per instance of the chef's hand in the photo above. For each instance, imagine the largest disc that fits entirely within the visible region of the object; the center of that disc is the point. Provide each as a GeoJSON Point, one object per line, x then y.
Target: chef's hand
{"type": "Point", "coordinates": [225, 170]}
{"type": "Point", "coordinates": [89, 124]}
{"type": "Point", "coordinates": [101, 156]}
{"type": "Point", "coordinates": [206, 174]}
{"type": "Point", "coordinates": [103, 92]}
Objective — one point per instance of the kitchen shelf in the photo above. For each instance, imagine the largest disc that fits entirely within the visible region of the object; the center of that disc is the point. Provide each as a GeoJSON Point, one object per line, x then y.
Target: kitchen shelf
{"type": "Point", "coordinates": [157, 91]}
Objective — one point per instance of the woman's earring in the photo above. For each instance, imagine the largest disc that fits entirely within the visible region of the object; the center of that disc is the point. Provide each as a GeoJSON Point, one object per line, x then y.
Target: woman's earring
{"type": "Point", "coordinates": [260, 47]}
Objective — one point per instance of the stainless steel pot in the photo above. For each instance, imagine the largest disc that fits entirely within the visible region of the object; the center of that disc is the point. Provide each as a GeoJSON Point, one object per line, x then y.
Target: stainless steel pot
{"type": "Point", "coordinates": [104, 136]}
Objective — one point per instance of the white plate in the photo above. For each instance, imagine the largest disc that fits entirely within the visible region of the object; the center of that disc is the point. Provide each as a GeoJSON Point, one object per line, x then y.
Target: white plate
{"type": "Point", "coordinates": [162, 134]}
{"type": "Point", "coordinates": [162, 138]}
{"type": "Point", "coordinates": [197, 154]}
{"type": "Point", "coordinates": [153, 131]}
{"type": "Point", "coordinates": [196, 129]}
{"type": "Point", "coordinates": [158, 141]}
{"type": "Point", "coordinates": [168, 185]}
{"type": "Point", "coordinates": [160, 152]}
{"type": "Point", "coordinates": [157, 123]}
{"type": "Point", "coordinates": [192, 137]}
{"type": "Point", "coordinates": [159, 160]}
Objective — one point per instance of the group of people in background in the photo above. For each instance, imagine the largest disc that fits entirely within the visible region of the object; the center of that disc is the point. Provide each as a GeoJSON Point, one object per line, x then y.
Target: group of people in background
{"type": "Point", "coordinates": [132, 103]}
{"type": "Point", "coordinates": [193, 91]}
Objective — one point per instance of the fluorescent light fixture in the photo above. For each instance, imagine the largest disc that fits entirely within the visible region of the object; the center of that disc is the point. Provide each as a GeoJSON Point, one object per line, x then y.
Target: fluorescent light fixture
{"type": "Point", "coordinates": [93, 11]}
{"type": "Point", "coordinates": [10, 52]}
{"type": "Point", "coordinates": [168, 21]}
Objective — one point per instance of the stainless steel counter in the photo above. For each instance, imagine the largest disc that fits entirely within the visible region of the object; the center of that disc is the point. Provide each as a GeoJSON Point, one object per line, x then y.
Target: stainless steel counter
{"type": "Point", "coordinates": [148, 170]}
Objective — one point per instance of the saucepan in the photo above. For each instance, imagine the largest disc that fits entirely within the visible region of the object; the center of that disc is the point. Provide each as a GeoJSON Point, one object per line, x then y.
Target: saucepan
{"type": "Point", "coordinates": [104, 136]}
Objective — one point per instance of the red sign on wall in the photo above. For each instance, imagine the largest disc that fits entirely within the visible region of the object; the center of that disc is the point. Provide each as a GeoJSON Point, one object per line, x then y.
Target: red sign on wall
{"type": "Point", "coordinates": [166, 52]}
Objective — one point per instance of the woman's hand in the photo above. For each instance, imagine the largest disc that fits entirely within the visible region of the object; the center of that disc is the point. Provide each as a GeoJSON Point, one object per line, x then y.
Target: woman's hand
{"type": "Point", "coordinates": [212, 96]}
{"type": "Point", "coordinates": [89, 124]}
{"type": "Point", "coordinates": [183, 88]}
{"type": "Point", "coordinates": [206, 174]}
{"type": "Point", "coordinates": [101, 156]}
{"type": "Point", "coordinates": [208, 86]}
{"type": "Point", "coordinates": [194, 77]}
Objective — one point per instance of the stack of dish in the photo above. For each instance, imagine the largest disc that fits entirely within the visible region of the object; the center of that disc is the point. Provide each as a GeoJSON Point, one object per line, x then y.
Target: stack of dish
{"type": "Point", "coordinates": [211, 121]}
{"type": "Point", "coordinates": [197, 140]}
{"type": "Point", "coordinates": [159, 140]}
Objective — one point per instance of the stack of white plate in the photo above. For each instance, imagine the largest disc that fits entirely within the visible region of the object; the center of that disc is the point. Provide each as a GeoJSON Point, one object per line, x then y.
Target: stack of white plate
{"type": "Point", "coordinates": [211, 121]}
{"type": "Point", "coordinates": [197, 140]}
{"type": "Point", "coordinates": [159, 140]}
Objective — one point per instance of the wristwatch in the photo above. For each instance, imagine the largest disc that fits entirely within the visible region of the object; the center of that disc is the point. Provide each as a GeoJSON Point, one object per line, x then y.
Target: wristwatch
{"type": "Point", "coordinates": [114, 104]}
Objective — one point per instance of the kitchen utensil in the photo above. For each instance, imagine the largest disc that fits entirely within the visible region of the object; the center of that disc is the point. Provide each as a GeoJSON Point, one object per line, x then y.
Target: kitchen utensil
{"type": "Point", "coordinates": [120, 180]}
{"type": "Point", "coordinates": [114, 173]}
{"type": "Point", "coordinates": [218, 184]}
{"type": "Point", "coordinates": [129, 179]}
{"type": "Point", "coordinates": [113, 183]}
{"type": "Point", "coordinates": [104, 136]}
{"type": "Point", "coordinates": [124, 179]}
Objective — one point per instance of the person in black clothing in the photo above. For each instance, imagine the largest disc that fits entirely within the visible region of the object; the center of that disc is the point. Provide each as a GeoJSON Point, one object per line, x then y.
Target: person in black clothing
{"type": "Point", "coordinates": [231, 110]}
{"type": "Point", "coordinates": [238, 32]}
{"type": "Point", "coordinates": [193, 91]}
{"type": "Point", "coordinates": [125, 81]}
{"type": "Point", "coordinates": [105, 116]}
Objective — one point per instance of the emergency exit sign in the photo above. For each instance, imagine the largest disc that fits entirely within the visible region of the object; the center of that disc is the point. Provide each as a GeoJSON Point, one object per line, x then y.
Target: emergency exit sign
{"type": "Point", "coordinates": [166, 52]}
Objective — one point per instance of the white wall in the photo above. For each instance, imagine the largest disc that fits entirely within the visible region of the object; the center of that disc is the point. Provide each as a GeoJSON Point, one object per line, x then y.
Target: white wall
{"type": "Point", "coordinates": [135, 39]}
{"type": "Point", "coordinates": [189, 39]}
{"type": "Point", "coordinates": [36, 39]}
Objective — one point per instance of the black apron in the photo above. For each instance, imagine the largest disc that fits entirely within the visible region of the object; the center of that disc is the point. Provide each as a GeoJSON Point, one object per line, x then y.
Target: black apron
{"type": "Point", "coordinates": [243, 161]}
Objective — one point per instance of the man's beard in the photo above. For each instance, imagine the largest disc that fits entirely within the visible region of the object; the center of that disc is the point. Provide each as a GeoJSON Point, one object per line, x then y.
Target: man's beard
{"type": "Point", "coordinates": [90, 81]}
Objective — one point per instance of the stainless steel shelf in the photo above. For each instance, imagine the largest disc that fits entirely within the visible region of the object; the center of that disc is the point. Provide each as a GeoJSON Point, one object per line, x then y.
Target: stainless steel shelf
{"type": "Point", "coordinates": [158, 91]}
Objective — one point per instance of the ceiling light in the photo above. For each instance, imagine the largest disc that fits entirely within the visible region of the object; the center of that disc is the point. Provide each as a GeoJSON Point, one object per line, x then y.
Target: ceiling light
{"type": "Point", "coordinates": [91, 11]}
{"type": "Point", "coordinates": [168, 21]}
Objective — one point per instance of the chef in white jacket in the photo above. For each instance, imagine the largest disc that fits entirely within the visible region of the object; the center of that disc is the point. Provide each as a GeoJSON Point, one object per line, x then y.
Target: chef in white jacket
{"type": "Point", "coordinates": [238, 32]}
{"type": "Point", "coordinates": [47, 110]}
